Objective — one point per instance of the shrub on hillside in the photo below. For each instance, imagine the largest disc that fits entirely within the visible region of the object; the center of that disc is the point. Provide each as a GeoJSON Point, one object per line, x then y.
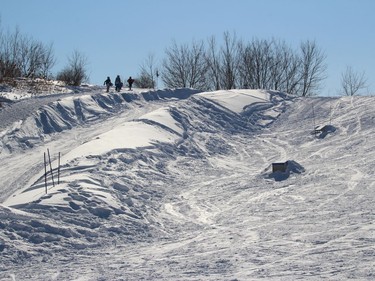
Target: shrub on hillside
{"type": "Point", "coordinates": [75, 73]}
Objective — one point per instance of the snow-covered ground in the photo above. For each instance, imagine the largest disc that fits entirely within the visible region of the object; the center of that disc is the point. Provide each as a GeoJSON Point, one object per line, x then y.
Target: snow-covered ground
{"type": "Point", "coordinates": [178, 185]}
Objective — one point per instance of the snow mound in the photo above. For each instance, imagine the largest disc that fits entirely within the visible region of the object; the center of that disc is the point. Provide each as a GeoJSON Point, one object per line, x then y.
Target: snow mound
{"type": "Point", "coordinates": [322, 132]}
{"type": "Point", "coordinates": [113, 176]}
{"type": "Point", "coordinates": [292, 167]}
{"type": "Point", "coordinates": [165, 186]}
{"type": "Point", "coordinates": [166, 131]}
{"type": "Point", "coordinates": [68, 112]}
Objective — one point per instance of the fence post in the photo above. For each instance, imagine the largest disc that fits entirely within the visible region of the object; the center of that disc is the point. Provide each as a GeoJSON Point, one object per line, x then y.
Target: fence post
{"type": "Point", "coordinates": [313, 113]}
{"type": "Point", "coordinates": [50, 166]}
{"type": "Point", "coordinates": [45, 172]}
{"type": "Point", "coordinates": [58, 170]}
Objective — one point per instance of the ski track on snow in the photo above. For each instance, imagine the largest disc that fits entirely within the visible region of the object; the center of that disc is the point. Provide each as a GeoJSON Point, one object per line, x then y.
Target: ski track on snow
{"type": "Point", "coordinates": [205, 208]}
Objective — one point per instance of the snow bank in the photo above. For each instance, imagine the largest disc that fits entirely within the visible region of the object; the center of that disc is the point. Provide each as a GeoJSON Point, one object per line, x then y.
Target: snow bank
{"type": "Point", "coordinates": [238, 100]}
{"type": "Point", "coordinates": [131, 135]}
{"type": "Point", "coordinates": [157, 129]}
{"type": "Point", "coordinates": [67, 112]}
{"type": "Point", "coordinates": [179, 189]}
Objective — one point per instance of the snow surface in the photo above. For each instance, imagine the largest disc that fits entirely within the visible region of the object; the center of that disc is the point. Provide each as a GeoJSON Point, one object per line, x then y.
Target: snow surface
{"type": "Point", "coordinates": [178, 185]}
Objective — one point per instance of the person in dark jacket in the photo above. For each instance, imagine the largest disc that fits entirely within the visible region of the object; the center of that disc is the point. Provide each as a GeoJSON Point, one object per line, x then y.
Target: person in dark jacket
{"type": "Point", "coordinates": [108, 83]}
{"type": "Point", "coordinates": [130, 82]}
{"type": "Point", "coordinates": [118, 83]}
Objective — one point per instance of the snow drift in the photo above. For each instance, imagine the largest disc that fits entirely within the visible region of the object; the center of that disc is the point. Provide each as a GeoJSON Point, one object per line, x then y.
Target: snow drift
{"type": "Point", "coordinates": [176, 185]}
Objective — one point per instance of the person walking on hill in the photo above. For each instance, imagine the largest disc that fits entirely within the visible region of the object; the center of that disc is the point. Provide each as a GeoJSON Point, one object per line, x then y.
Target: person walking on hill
{"type": "Point", "coordinates": [130, 82]}
{"type": "Point", "coordinates": [118, 83]}
{"type": "Point", "coordinates": [108, 83]}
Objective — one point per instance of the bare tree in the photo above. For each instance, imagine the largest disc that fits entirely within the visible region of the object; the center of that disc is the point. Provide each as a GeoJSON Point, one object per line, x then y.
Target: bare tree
{"type": "Point", "coordinates": [313, 68]}
{"type": "Point", "coordinates": [229, 63]}
{"type": "Point", "coordinates": [30, 57]}
{"type": "Point", "coordinates": [175, 73]}
{"type": "Point", "coordinates": [22, 56]}
{"type": "Point", "coordinates": [185, 66]}
{"type": "Point", "coordinates": [246, 67]}
{"type": "Point", "coordinates": [144, 81]}
{"type": "Point", "coordinates": [278, 60]}
{"type": "Point", "coordinates": [9, 54]}
{"type": "Point", "coordinates": [259, 64]}
{"type": "Point", "coordinates": [292, 79]}
{"type": "Point", "coordinates": [197, 66]}
{"type": "Point", "coordinates": [260, 67]}
{"type": "Point", "coordinates": [48, 62]}
{"type": "Point", "coordinates": [284, 69]}
{"type": "Point", "coordinates": [149, 73]}
{"type": "Point", "coordinates": [75, 73]}
{"type": "Point", "coordinates": [263, 56]}
{"type": "Point", "coordinates": [269, 64]}
{"type": "Point", "coordinates": [1, 53]}
{"type": "Point", "coordinates": [352, 82]}
{"type": "Point", "coordinates": [213, 60]}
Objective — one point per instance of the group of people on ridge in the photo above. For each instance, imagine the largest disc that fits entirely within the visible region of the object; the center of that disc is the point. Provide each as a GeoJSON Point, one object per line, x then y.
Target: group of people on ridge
{"type": "Point", "coordinates": [118, 83]}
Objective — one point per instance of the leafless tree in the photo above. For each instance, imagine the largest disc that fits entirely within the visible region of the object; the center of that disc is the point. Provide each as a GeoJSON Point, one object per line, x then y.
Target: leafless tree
{"type": "Point", "coordinates": [284, 68]}
{"type": "Point", "coordinates": [22, 56]}
{"type": "Point", "coordinates": [259, 67]}
{"type": "Point", "coordinates": [185, 66]}
{"type": "Point", "coordinates": [291, 84]}
{"type": "Point", "coordinates": [352, 82]}
{"type": "Point", "coordinates": [144, 81]}
{"type": "Point", "coordinates": [278, 61]}
{"type": "Point", "coordinates": [149, 73]}
{"type": "Point", "coordinates": [198, 66]}
{"type": "Point", "coordinates": [48, 61]}
{"type": "Point", "coordinates": [259, 64]}
{"type": "Point", "coordinates": [246, 67]}
{"type": "Point", "coordinates": [30, 57]}
{"type": "Point", "coordinates": [175, 73]}
{"type": "Point", "coordinates": [9, 54]}
{"type": "Point", "coordinates": [213, 60]}
{"type": "Point", "coordinates": [75, 73]}
{"type": "Point", "coordinates": [230, 60]}
{"type": "Point", "coordinates": [313, 68]}
{"type": "Point", "coordinates": [262, 53]}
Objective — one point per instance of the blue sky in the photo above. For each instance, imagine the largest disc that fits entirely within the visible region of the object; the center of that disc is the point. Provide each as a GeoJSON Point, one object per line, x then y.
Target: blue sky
{"type": "Point", "coordinates": [118, 35]}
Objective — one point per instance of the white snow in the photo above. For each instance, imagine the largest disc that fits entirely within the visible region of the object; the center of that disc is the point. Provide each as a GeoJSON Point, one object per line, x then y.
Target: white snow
{"type": "Point", "coordinates": [129, 135]}
{"type": "Point", "coordinates": [237, 100]}
{"type": "Point", "coordinates": [178, 185]}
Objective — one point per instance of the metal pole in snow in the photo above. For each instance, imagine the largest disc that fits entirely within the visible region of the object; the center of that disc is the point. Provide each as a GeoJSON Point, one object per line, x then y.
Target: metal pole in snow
{"type": "Point", "coordinates": [314, 119]}
{"type": "Point", "coordinates": [45, 172]}
{"type": "Point", "coordinates": [58, 170]}
{"type": "Point", "coordinates": [157, 79]}
{"type": "Point", "coordinates": [330, 112]}
{"type": "Point", "coordinates": [50, 166]}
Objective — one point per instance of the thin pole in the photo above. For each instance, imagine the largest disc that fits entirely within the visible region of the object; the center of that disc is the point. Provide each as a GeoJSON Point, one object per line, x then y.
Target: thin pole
{"type": "Point", "coordinates": [330, 112]}
{"type": "Point", "coordinates": [45, 172]}
{"type": "Point", "coordinates": [50, 166]}
{"type": "Point", "coordinates": [157, 79]}
{"type": "Point", "coordinates": [313, 112]}
{"type": "Point", "coordinates": [58, 170]}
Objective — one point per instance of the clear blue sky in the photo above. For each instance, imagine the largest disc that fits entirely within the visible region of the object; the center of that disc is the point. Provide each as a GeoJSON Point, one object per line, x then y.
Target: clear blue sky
{"type": "Point", "coordinates": [117, 35]}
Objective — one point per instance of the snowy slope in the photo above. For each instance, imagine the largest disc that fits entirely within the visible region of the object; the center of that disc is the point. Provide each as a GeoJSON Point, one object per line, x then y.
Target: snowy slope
{"type": "Point", "coordinates": [178, 185]}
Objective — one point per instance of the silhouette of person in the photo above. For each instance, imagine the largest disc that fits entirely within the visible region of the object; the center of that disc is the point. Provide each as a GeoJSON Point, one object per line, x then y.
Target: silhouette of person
{"type": "Point", "coordinates": [130, 82]}
{"type": "Point", "coordinates": [118, 83]}
{"type": "Point", "coordinates": [108, 83]}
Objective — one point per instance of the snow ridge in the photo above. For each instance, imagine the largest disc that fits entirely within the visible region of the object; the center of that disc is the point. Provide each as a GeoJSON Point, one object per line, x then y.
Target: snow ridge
{"type": "Point", "coordinates": [169, 188]}
{"type": "Point", "coordinates": [58, 113]}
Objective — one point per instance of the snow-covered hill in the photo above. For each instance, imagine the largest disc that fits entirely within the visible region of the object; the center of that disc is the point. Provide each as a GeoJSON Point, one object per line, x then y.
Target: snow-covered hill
{"type": "Point", "coordinates": [178, 185]}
